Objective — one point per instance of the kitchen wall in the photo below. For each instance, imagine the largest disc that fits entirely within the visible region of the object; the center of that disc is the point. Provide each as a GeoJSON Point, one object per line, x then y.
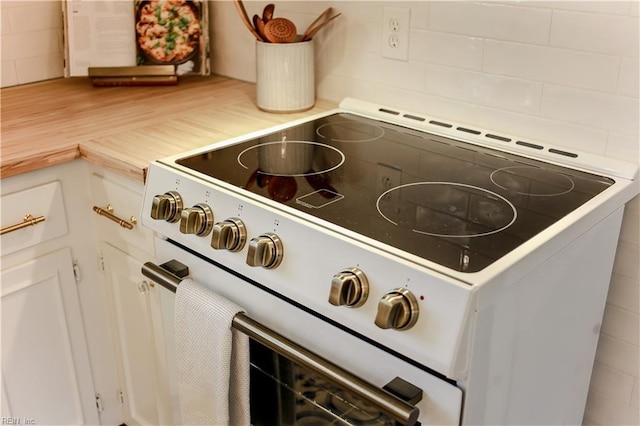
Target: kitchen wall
{"type": "Point", "coordinates": [32, 41]}
{"type": "Point", "coordinates": [564, 73]}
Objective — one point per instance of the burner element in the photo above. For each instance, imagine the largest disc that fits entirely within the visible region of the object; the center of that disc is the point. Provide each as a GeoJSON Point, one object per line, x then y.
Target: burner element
{"type": "Point", "coordinates": [350, 131]}
{"type": "Point", "coordinates": [446, 209]}
{"type": "Point", "coordinates": [291, 158]}
{"type": "Point", "coordinates": [532, 181]}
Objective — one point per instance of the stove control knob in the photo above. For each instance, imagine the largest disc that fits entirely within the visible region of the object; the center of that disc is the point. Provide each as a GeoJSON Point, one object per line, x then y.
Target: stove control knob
{"type": "Point", "coordinates": [230, 234]}
{"type": "Point", "coordinates": [349, 288]}
{"type": "Point", "coordinates": [167, 206]}
{"type": "Point", "coordinates": [265, 250]}
{"type": "Point", "coordinates": [397, 309]}
{"type": "Point", "coordinates": [197, 220]}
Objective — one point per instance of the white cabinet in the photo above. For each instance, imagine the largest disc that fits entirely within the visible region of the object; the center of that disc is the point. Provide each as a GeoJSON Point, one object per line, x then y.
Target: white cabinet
{"type": "Point", "coordinates": [134, 303]}
{"type": "Point", "coordinates": [58, 366]}
{"type": "Point", "coordinates": [138, 325]}
{"type": "Point", "coordinates": [46, 373]}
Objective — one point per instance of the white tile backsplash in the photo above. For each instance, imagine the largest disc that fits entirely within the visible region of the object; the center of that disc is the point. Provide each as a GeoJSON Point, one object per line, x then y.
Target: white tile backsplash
{"type": "Point", "coordinates": [629, 83]}
{"type": "Point", "coordinates": [446, 49]}
{"type": "Point", "coordinates": [591, 109]}
{"type": "Point", "coordinates": [562, 72]}
{"type": "Point", "coordinates": [32, 34]}
{"type": "Point", "coordinates": [516, 95]}
{"type": "Point", "coordinates": [552, 65]}
{"type": "Point", "coordinates": [595, 32]}
{"type": "Point", "coordinates": [624, 293]}
{"type": "Point", "coordinates": [614, 383]}
{"type": "Point", "coordinates": [490, 20]}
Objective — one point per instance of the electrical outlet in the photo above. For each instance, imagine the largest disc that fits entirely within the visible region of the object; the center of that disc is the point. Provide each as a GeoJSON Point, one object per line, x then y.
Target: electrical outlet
{"type": "Point", "coordinates": [395, 32]}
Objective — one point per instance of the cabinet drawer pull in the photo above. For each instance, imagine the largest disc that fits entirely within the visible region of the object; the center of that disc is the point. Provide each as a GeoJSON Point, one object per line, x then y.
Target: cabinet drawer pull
{"type": "Point", "coordinates": [27, 221]}
{"type": "Point", "coordinates": [107, 212]}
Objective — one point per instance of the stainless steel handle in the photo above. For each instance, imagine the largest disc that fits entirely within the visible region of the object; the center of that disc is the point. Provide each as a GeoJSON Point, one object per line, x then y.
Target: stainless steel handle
{"type": "Point", "coordinates": [107, 212]}
{"type": "Point", "coordinates": [28, 220]}
{"type": "Point", "coordinates": [399, 410]}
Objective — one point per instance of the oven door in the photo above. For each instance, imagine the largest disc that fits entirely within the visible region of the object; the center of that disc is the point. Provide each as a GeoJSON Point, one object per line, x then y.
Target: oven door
{"type": "Point", "coordinates": [304, 370]}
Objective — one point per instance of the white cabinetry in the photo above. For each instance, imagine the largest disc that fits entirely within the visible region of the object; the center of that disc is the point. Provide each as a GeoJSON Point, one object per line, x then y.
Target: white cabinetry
{"type": "Point", "coordinates": [53, 356]}
{"type": "Point", "coordinates": [46, 375]}
{"type": "Point", "coordinates": [135, 303]}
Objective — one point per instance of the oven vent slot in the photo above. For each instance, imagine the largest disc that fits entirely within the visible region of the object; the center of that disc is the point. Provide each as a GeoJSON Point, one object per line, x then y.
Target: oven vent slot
{"type": "Point", "coordinates": [413, 117]}
{"type": "Point", "coordinates": [440, 123]}
{"type": "Point", "coordinates": [472, 131]}
{"type": "Point", "coordinates": [565, 153]}
{"type": "Point", "coordinates": [388, 111]}
{"type": "Point", "coordinates": [529, 145]}
{"type": "Point", "coordinates": [497, 137]}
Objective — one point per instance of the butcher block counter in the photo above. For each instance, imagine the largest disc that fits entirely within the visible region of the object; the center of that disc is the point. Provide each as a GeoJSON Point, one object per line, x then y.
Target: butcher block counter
{"type": "Point", "coordinates": [124, 128]}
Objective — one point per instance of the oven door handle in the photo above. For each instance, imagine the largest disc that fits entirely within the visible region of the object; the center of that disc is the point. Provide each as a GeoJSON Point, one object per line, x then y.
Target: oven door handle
{"type": "Point", "coordinates": [401, 411]}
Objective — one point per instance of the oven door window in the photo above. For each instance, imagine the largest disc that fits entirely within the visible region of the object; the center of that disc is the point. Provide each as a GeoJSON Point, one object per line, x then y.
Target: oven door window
{"type": "Point", "coordinates": [285, 393]}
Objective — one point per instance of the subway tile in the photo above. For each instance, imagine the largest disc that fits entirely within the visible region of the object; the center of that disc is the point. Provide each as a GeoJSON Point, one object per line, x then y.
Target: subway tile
{"type": "Point", "coordinates": [4, 15]}
{"type": "Point", "coordinates": [36, 16]}
{"type": "Point", "coordinates": [491, 20]}
{"type": "Point", "coordinates": [608, 411]}
{"type": "Point", "coordinates": [626, 263]}
{"type": "Point", "coordinates": [617, 354]}
{"type": "Point", "coordinates": [362, 35]}
{"type": "Point", "coordinates": [39, 68]}
{"type": "Point", "coordinates": [502, 121]}
{"type": "Point", "coordinates": [446, 49]}
{"type": "Point", "coordinates": [635, 395]}
{"type": "Point", "coordinates": [624, 293]}
{"type": "Point", "coordinates": [609, 34]}
{"type": "Point", "coordinates": [617, 7]}
{"type": "Point", "coordinates": [400, 74]}
{"type": "Point", "coordinates": [8, 76]}
{"type": "Point", "coordinates": [629, 77]}
{"type": "Point", "coordinates": [623, 147]}
{"type": "Point", "coordinates": [338, 87]}
{"type": "Point", "coordinates": [590, 108]}
{"type": "Point", "coordinates": [630, 232]}
{"type": "Point", "coordinates": [561, 66]}
{"type": "Point", "coordinates": [468, 86]}
{"type": "Point", "coordinates": [621, 324]}
{"type": "Point", "coordinates": [38, 43]}
{"type": "Point", "coordinates": [611, 382]}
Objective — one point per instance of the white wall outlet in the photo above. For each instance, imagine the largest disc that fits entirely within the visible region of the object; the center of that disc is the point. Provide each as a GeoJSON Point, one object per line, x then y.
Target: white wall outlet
{"type": "Point", "coordinates": [395, 32]}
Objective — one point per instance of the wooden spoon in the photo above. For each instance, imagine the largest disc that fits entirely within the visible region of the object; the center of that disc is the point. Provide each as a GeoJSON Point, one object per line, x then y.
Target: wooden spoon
{"type": "Point", "coordinates": [267, 13]}
{"type": "Point", "coordinates": [245, 18]}
{"type": "Point", "coordinates": [280, 30]}
{"type": "Point", "coordinates": [314, 23]}
{"type": "Point", "coordinates": [259, 25]}
{"type": "Point", "coordinates": [313, 32]}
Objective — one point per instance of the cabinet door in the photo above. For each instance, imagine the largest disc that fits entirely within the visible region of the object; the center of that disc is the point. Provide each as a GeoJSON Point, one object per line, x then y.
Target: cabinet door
{"type": "Point", "coordinates": [136, 311]}
{"type": "Point", "coordinates": [46, 375]}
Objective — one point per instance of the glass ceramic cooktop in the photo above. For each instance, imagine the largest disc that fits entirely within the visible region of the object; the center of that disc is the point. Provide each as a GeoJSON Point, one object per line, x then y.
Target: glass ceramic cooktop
{"type": "Point", "coordinates": [454, 203]}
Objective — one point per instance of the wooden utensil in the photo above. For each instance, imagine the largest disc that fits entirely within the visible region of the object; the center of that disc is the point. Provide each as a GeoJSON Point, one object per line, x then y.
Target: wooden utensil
{"type": "Point", "coordinates": [267, 13]}
{"type": "Point", "coordinates": [245, 18]}
{"type": "Point", "coordinates": [315, 22]}
{"type": "Point", "coordinates": [280, 30]}
{"type": "Point", "coordinates": [311, 32]}
{"type": "Point", "coordinates": [259, 25]}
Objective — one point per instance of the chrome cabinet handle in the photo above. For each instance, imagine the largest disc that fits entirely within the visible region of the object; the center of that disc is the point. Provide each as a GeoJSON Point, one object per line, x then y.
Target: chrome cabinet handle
{"type": "Point", "coordinates": [108, 213]}
{"type": "Point", "coordinates": [28, 220]}
{"type": "Point", "coordinates": [401, 411]}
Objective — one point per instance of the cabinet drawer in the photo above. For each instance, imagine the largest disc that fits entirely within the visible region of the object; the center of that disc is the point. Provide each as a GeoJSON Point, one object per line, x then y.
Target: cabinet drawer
{"type": "Point", "coordinates": [43, 201]}
{"type": "Point", "coordinates": [125, 199]}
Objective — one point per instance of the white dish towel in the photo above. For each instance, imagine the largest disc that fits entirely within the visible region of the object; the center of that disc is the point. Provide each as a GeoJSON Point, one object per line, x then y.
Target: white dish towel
{"type": "Point", "coordinates": [212, 358]}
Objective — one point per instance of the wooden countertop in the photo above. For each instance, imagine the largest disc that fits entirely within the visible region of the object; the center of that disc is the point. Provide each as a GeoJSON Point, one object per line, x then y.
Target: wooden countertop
{"type": "Point", "coordinates": [124, 128]}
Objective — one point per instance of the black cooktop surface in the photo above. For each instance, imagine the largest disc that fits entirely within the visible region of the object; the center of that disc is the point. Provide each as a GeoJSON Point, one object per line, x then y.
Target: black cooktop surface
{"type": "Point", "coordinates": [454, 203]}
